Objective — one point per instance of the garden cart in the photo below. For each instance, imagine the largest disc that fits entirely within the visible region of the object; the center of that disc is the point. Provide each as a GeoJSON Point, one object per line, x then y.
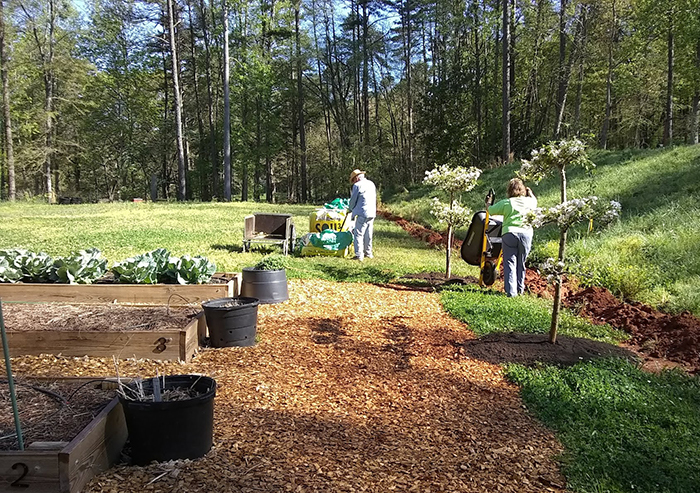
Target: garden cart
{"type": "Point", "coordinates": [482, 245]}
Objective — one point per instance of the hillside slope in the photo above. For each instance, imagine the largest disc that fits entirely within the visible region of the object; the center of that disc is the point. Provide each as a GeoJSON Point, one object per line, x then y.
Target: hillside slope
{"type": "Point", "coordinates": [652, 254]}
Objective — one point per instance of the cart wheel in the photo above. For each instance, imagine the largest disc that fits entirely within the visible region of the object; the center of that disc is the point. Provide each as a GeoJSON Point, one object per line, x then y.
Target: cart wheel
{"type": "Point", "coordinates": [488, 273]}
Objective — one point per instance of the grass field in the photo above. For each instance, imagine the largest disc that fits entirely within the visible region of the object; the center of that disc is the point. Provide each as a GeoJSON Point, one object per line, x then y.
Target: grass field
{"type": "Point", "coordinates": [649, 255]}
{"type": "Point", "coordinates": [214, 230]}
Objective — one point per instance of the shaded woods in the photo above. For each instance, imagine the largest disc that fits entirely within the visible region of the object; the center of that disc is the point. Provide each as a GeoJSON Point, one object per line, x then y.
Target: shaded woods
{"type": "Point", "coordinates": [278, 100]}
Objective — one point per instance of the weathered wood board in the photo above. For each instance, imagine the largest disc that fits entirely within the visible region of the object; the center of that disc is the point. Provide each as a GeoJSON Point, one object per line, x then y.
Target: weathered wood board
{"type": "Point", "coordinates": [94, 450]}
{"type": "Point", "coordinates": [170, 344]}
{"type": "Point", "coordinates": [137, 294]}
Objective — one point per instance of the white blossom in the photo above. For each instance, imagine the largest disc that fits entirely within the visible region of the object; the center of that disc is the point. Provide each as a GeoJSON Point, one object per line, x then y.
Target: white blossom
{"type": "Point", "coordinates": [457, 179]}
{"type": "Point", "coordinates": [572, 211]}
{"type": "Point", "coordinates": [552, 269]}
{"type": "Point", "coordinates": [555, 155]}
{"type": "Point", "coordinates": [453, 214]}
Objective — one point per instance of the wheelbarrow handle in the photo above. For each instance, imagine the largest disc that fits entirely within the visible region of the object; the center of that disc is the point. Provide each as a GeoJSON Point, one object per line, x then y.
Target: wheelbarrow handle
{"type": "Point", "coordinates": [490, 198]}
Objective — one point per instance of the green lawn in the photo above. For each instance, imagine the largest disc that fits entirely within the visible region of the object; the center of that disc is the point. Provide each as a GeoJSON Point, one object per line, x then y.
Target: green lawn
{"type": "Point", "coordinates": [624, 430]}
{"type": "Point", "coordinates": [214, 230]}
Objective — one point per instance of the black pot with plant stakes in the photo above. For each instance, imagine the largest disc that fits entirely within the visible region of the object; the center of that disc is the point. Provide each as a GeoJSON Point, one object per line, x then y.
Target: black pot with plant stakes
{"type": "Point", "coordinates": [267, 280]}
{"type": "Point", "coordinates": [169, 417]}
{"type": "Point", "coordinates": [231, 321]}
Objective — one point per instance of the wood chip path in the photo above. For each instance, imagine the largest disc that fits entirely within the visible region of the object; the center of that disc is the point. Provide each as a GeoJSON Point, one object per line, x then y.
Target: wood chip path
{"type": "Point", "coordinates": [352, 387]}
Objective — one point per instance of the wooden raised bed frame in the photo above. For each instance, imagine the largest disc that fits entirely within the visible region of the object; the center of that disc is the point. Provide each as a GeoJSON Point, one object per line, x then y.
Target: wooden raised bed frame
{"type": "Point", "coordinates": [172, 344]}
{"type": "Point", "coordinates": [137, 294]}
{"type": "Point", "coordinates": [67, 470]}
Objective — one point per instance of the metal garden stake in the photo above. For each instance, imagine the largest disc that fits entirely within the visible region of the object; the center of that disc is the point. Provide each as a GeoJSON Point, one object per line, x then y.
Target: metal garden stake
{"type": "Point", "coordinates": [10, 380]}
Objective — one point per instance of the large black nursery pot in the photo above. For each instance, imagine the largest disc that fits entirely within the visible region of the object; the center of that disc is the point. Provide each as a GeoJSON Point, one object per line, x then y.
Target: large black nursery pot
{"type": "Point", "coordinates": [232, 321]}
{"type": "Point", "coordinates": [173, 429]}
{"type": "Point", "coordinates": [269, 286]}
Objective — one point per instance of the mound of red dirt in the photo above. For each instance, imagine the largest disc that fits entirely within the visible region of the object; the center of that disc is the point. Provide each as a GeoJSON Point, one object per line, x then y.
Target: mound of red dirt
{"type": "Point", "coordinates": [658, 334]}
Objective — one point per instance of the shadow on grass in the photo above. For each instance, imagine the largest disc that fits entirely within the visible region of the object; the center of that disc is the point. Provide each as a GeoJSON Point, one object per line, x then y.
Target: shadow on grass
{"type": "Point", "coordinates": [357, 272]}
{"type": "Point", "coordinates": [238, 248]}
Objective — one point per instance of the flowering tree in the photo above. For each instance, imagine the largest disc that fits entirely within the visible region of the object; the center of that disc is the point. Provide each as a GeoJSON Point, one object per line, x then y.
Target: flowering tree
{"type": "Point", "coordinates": [555, 157]}
{"type": "Point", "coordinates": [454, 181]}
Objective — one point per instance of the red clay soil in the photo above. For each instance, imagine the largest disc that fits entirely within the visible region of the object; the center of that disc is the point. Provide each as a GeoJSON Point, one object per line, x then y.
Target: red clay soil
{"type": "Point", "coordinates": [654, 334]}
{"type": "Point", "coordinates": [657, 334]}
{"type": "Point", "coordinates": [432, 238]}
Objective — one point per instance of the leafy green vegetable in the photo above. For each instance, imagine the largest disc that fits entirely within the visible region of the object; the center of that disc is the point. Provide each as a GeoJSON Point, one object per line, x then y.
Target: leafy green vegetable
{"type": "Point", "coordinates": [8, 271]}
{"type": "Point", "coordinates": [147, 268]}
{"type": "Point", "coordinates": [82, 267]}
{"type": "Point", "coordinates": [159, 266]}
{"type": "Point", "coordinates": [274, 261]}
{"type": "Point", "coordinates": [190, 270]}
{"type": "Point", "coordinates": [32, 267]}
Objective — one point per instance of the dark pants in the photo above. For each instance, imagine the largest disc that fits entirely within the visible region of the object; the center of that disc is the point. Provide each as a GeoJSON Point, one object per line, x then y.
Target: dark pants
{"type": "Point", "coordinates": [516, 248]}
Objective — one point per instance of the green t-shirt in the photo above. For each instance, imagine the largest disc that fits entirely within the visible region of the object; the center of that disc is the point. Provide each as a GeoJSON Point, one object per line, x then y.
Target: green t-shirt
{"type": "Point", "coordinates": [513, 211]}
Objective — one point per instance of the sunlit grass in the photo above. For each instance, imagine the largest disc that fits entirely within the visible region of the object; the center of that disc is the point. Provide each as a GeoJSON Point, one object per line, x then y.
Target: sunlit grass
{"type": "Point", "coordinates": [624, 430]}
{"type": "Point", "coordinates": [214, 230]}
{"type": "Point", "coordinates": [487, 311]}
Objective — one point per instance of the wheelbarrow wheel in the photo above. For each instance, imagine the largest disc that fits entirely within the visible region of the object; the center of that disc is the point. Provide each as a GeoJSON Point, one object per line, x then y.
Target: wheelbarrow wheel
{"type": "Point", "coordinates": [488, 273]}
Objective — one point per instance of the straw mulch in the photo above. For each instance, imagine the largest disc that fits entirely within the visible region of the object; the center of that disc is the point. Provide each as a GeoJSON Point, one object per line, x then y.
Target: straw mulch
{"type": "Point", "coordinates": [352, 387]}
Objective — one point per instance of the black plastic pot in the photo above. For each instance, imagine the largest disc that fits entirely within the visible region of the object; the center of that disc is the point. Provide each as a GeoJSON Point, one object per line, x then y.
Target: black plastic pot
{"type": "Point", "coordinates": [181, 429]}
{"type": "Point", "coordinates": [269, 286]}
{"type": "Point", "coordinates": [231, 321]}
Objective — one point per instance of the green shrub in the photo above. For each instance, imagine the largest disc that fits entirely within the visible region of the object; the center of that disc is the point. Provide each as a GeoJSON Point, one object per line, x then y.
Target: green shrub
{"type": "Point", "coordinates": [274, 261]}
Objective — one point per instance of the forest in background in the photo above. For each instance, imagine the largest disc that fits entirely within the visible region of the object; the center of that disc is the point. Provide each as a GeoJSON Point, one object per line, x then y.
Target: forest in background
{"type": "Point", "coordinates": [278, 100]}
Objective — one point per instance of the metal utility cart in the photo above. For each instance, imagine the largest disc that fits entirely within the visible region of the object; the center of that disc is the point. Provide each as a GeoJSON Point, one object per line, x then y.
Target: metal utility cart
{"type": "Point", "coordinates": [275, 229]}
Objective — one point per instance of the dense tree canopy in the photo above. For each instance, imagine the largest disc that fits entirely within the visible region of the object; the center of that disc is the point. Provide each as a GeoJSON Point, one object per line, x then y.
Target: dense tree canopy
{"type": "Point", "coordinates": [104, 100]}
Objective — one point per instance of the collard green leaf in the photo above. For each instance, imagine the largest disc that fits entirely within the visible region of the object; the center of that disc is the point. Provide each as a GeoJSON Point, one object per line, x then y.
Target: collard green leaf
{"type": "Point", "coordinates": [147, 268]}
{"type": "Point", "coordinates": [8, 272]}
{"type": "Point", "coordinates": [190, 270]}
{"type": "Point", "coordinates": [32, 267]}
{"type": "Point", "coordinates": [83, 267]}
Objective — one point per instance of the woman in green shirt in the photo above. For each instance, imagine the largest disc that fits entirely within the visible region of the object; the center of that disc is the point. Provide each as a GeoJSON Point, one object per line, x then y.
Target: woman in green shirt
{"type": "Point", "coordinates": [517, 237]}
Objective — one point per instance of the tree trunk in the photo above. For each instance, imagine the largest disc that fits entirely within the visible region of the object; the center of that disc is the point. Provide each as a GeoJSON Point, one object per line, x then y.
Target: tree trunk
{"type": "Point", "coordinates": [668, 123]}
{"type": "Point", "coordinates": [477, 78]}
{"type": "Point", "coordinates": [408, 41]}
{"type": "Point", "coordinates": [9, 147]}
{"type": "Point", "coordinates": [213, 152]}
{"type": "Point", "coordinates": [506, 81]}
{"type": "Point", "coordinates": [182, 183]}
{"type": "Point", "coordinates": [323, 88]}
{"type": "Point", "coordinates": [556, 307]}
{"type": "Point", "coordinates": [581, 72]}
{"type": "Point", "coordinates": [562, 252]}
{"type": "Point", "coordinates": [227, 111]}
{"type": "Point", "coordinates": [562, 75]}
{"type": "Point", "coordinates": [300, 109]}
{"type": "Point", "coordinates": [200, 120]}
{"type": "Point", "coordinates": [609, 80]}
{"type": "Point", "coordinates": [365, 72]}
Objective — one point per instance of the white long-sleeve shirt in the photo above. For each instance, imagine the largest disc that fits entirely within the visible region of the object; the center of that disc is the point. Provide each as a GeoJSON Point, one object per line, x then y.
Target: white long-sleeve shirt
{"type": "Point", "coordinates": [363, 198]}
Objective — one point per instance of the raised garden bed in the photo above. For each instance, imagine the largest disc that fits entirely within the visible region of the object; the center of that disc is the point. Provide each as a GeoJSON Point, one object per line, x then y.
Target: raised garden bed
{"type": "Point", "coordinates": [222, 285]}
{"type": "Point", "coordinates": [65, 445]}
{"type": "Point", "coordinates": [103, 330]}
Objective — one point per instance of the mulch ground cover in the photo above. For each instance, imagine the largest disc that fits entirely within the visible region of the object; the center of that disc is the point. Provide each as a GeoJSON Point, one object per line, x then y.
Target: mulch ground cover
{"type": "Point", "coordinates": [352, 387]}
